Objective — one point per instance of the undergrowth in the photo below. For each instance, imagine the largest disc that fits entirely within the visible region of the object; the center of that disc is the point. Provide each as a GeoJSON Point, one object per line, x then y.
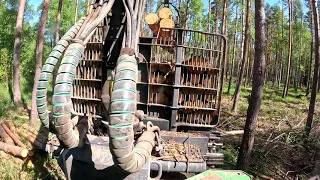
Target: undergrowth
{"type": "Point", "coordinates": [278, 151]}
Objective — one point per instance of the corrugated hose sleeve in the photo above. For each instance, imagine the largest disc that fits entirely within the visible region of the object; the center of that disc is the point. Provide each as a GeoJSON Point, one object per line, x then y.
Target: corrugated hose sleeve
{"type": "Point", "coordinates": [47, 69]}
{"type": "Point", "coordinates": [62, 104]}
{"type": "Point", "coordinates": [122, 110]}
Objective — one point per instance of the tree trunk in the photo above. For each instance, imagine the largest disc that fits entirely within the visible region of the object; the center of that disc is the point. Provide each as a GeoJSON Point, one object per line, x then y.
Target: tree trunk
{"type": "Point", "coordinates": [76, 12]}
{"type": "Point", "coordinates": [16, 54]}
{"type": "Point", "coordinates": [223, 30]}
{"type": "Point", "coordinates": [57, 38]}
{"type": "Point", "coordinates": [287, 82]}
{"type": "Point", "coordinates": [39, 52]}
{"type": "Point", "coordinates": [257, 87]}
{"type": "Point", "coordinates": [281, 62]}
{"type": "Point", "coordinates": [209, 15]}
{"type": "Point", "coordinates": [248, 65]}
{"type": "Point", "coordinates": [244, 58]}
{"type": "Point", "coordinates": [216, 18]}
{"type": "Point", "coordinates": [316, 69]}
{"type": "Point", "coordinates": [309, 69]}
{"type": "Point", "coordinates": [234, 51]}
{"type": "Point", "coordinates": [311, 54]}
{"type": "Point", "coordinates": [88, 7]}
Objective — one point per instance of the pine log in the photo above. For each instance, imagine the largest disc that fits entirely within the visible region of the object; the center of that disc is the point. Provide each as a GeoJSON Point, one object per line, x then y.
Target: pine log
{"type": "Point", "coordinates": [165, 13]}
{"type": "Point", "coordinates": [41, 137]}
{"type": "Point", "coordinates": [153, 22]}
{"type": "Point", "coordinates": [11, 127]}
{"type": "Point", "coordinates": [165, 33]}
{"type": "Point", "coordinates": [15, 138]}
{"type": "Point", "coordinates": [29, 128]}
{"type": "Point", "coordinates": [166, 23]}
{"type": "Point", "coordinates": [31, 138]}
{"type": "Point", "coordinates": [5, 137]}
{"type": "Point", "coordinates": [14, 150]}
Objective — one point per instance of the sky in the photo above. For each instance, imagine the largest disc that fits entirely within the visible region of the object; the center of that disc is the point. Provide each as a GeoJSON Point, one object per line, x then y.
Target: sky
{"type": "Point", "coordinates": [36, 3]}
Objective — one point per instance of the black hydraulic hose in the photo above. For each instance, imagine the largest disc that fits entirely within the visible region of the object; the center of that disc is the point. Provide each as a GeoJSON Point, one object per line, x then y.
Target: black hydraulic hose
{"type": "Point", "coordinates": [47, 69]}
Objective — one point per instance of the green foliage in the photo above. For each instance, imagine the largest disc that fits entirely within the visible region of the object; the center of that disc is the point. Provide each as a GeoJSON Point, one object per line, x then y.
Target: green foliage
{"type": "Point", "coordinates": [5, 65]}
{"type": "Point", "coordinates": [5, 100]}
{"type": "Point", "coordinates": [230, 158]}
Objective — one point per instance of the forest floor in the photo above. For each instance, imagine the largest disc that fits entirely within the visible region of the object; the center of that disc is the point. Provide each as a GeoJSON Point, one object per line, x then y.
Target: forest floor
{"type": "Point", "coordinates": [279, 150]}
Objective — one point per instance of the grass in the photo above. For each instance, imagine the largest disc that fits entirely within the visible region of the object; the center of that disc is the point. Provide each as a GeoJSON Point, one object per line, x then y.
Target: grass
{"type": "Point", "coordinates": [40, 166]}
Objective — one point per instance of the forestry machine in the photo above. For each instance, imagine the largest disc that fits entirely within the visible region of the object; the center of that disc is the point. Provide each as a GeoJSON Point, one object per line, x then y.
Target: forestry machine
{"type": "Point", "coordinates": [131, 107]}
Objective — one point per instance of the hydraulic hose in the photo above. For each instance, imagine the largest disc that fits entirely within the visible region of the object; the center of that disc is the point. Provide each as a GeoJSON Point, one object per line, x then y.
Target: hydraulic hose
{"type": "Point", "coordinates": [47, 69]}
{"type": "Point", "coordinates": [62, 104]}
{"type": "Point", "coordinates": [90, 27]}
{"type": "Point", "coordinates": [122, 111]}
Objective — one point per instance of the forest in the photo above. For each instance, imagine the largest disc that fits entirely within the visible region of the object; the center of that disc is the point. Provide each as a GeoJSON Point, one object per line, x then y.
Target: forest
{"type": "Point", "coordinates": [271, 78]}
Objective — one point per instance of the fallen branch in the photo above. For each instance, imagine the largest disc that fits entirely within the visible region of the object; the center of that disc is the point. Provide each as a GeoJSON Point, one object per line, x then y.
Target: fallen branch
{"type": "Point", "coordinates": [274, 139]}
{"type": "Point", "coordinates": [231, 133]}
{"type": "Point", "coordinates": [270, 150]}
{"type": "Point", "coordinates": [14, 150]}
{"type": "Point", "coordinates": [275, 130]}
{"type": "Point", "coordinates": [15, 138]}
{"type": "Point", "coordinates": [296, 126]}
{"type": "Point", "coordinates": [299, 170]}
{"type": "Point", "coordinates": [234, 132]}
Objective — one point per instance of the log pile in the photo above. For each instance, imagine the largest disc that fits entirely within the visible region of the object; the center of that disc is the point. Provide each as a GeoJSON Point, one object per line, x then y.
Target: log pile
{"type": "Point", "coordinates": [163, 20]}
{"type": "Point", "coordinates": [11, 142]}
{"type": "Point", "coordinates": [161, 25]}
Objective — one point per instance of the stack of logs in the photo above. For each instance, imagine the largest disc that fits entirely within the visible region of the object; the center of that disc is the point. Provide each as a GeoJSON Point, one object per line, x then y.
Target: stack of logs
{"type": "Point", "coordinates": [163, 21]}
{"type": "Point", "coordinates": [11, 142]}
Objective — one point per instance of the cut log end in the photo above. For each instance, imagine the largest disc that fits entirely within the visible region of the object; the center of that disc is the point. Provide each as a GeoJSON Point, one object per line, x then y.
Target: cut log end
{"type": "Point", "coordinates": [167, 24]}
{"type": "Point", "coordinates": [24, 153]}
{"type": "Point", "coordinates": [152, 19]}
{"type": "Point", "coordinates": [165, 13]}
